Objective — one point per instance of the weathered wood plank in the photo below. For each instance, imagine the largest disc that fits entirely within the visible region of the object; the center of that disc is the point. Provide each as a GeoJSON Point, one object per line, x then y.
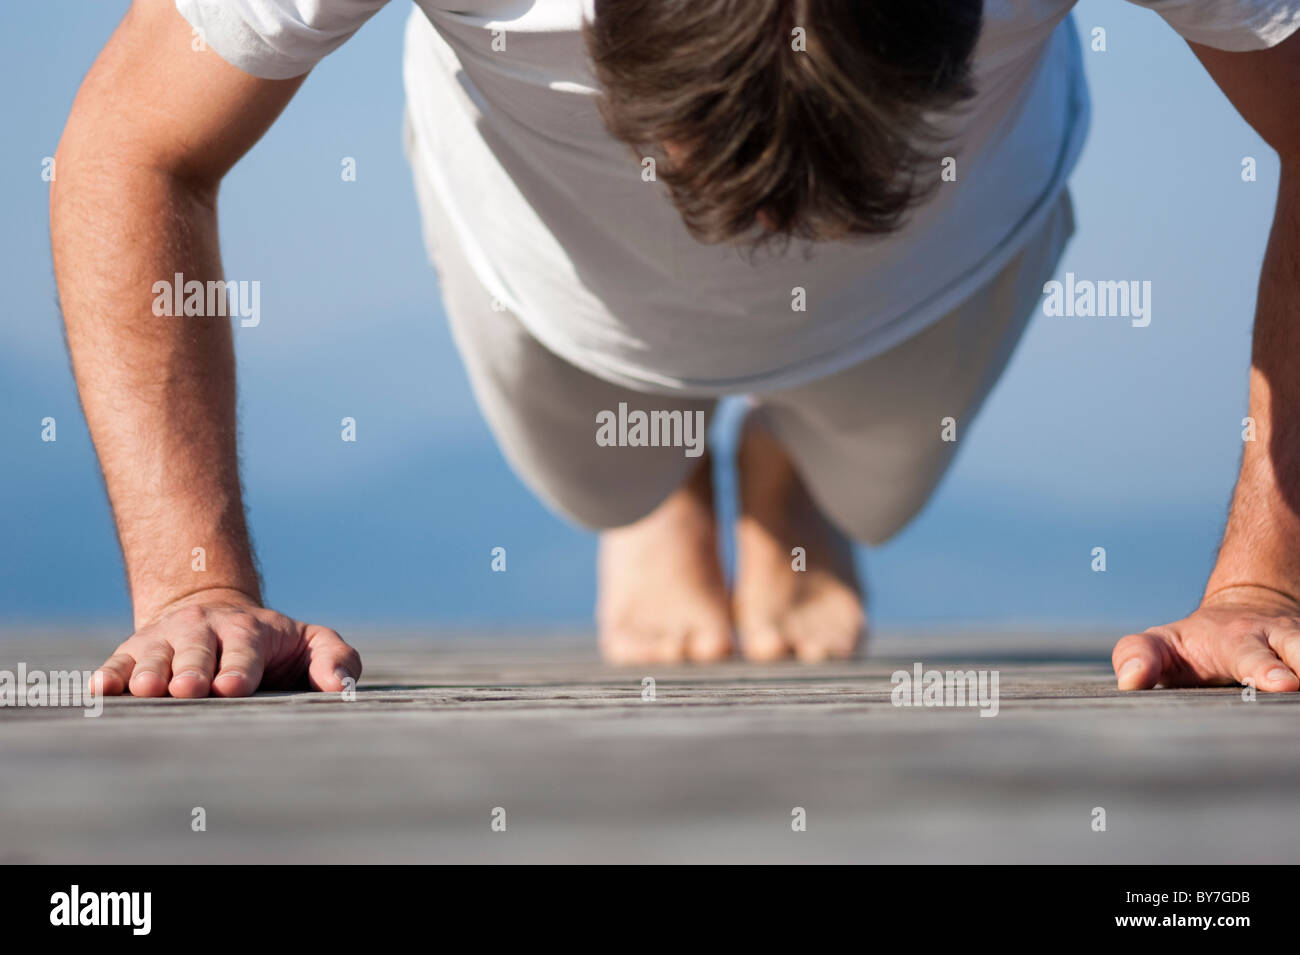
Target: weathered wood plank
{"type": "Point", "coordinates": [442, 732]}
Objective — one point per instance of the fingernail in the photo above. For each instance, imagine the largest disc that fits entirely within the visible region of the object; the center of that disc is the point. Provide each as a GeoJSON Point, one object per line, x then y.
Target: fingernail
{"type": "Point", "coordinates": [1131, 667]}
{"type": "Point", "coordinates": [1278, 675]}
{"type": "Point", "coordinates": [237, 674]}
{"type": "Point", "coordinates": [342, 675]}
{"type": "Point", "coordinates": [196, 674]}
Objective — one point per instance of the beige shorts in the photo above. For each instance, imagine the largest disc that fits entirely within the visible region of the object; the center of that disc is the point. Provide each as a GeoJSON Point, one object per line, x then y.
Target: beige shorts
{"type": "Point", "coordinates": [869, 441]}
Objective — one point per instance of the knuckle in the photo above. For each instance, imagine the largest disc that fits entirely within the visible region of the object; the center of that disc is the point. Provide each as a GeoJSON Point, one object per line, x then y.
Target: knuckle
{"type": "Point", "coordinates": [234, 654]}
{"type": "Point", "coordinates": [197, 652]}
{"type": "Point", "coordinates": [242, 621]}
{"type": "Point", "coordinates": [140, 645]}
{"type": "Point", "coordinates": [1244, 628]}
{"type": "Point", "coordinates": [272, 620]}
{"type": "Point", "coordinates": [189, 616]}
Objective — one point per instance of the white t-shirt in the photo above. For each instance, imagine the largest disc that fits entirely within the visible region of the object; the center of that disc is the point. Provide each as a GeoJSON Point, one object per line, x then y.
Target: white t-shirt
{"type": "Point", "coordinates": [559, 225]}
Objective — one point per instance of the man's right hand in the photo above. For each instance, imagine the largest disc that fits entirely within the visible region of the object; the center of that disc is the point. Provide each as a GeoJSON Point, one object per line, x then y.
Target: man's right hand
{"type": "Point", "coordinates": [222, 642]}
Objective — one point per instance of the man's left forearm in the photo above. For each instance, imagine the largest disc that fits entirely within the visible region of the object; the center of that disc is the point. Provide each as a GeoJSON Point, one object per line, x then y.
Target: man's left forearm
{"type": "Point", "coordinates": [1259, 560]}
{"type": "Point", "coordinates": [1247, 629]}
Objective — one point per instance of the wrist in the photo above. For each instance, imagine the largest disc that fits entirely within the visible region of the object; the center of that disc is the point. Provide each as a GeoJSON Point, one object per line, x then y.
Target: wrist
{"type": "Point", "coordinates": [160, 603]}
{"type": "Point", "coordinates": [1259, 596]}
{"type": "Point", "coordinates": [166, 567]}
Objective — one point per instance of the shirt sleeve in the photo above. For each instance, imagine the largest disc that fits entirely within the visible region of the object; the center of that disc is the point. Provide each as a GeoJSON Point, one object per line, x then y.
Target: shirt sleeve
{"type": "Point", "coordinates": [1238, 25]}
{"type": "Point", "coordinates": [276, 39]}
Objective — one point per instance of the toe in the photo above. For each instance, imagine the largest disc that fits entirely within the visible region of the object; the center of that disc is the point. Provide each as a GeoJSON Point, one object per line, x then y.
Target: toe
{"type": "Point", "coordinates": [820, 631]}
{"type": "Point", "coordinates": [763, 643]}
{"type": "Point", "coordinates": [625, 647]}
{"type": "Point", "coordinates": [709, 643]}
{"type": "Point", "coordinates": [671, 644]}
{"type": "Point", "coordinates": [845, 632]}
{"type": "Point", "coordinates": [810, 649]}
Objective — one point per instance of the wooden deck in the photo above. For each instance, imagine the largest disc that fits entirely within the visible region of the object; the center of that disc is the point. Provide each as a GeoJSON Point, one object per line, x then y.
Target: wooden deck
{"type": "Point", "coordinates": [443, 732]}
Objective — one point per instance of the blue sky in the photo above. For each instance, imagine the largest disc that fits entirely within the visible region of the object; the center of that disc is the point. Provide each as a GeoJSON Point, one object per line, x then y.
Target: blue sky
{"type": "Point", "coordinates": [1099, 435]}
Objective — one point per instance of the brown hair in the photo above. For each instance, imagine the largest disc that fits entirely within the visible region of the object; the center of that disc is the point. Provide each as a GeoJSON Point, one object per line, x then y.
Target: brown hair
{"type": "Point", "coordinates": [819, 143]}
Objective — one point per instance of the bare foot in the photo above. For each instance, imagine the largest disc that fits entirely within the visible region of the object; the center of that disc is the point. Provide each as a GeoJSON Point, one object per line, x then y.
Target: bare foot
{"type": "Point", "coordinates": [815, 613]}
{"type": "Point", "coordinates": [662, 595]}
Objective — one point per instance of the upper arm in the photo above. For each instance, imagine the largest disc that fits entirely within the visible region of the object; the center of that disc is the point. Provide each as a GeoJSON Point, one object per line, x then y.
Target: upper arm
{"type": "Point", "coordinates": [153, 100]}
{"type": "Point", "coordinates": [1264, 86]}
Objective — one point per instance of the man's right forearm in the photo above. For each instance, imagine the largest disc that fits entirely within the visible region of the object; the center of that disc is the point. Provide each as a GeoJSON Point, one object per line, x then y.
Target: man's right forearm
{"type": "Point", "coordinates": [158, 122]}
{"type": "Point", "coordinates": [158, 391]}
